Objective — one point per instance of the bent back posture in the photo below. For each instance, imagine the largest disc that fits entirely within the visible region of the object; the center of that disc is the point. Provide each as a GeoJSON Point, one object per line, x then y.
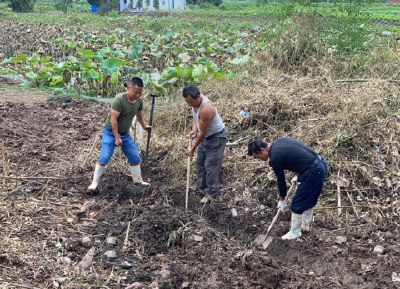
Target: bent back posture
{"type": "Point", "coordinates": [310, 168]}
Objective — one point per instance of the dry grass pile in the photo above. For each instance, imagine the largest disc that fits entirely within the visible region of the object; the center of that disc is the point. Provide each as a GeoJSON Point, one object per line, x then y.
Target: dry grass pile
{"type": "Point", "coordinates": [355, 126]}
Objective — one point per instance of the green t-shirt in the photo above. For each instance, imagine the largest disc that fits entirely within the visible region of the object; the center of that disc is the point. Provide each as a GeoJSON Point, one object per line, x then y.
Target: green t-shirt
{"type": "Point", "coordinates": [128, 111]}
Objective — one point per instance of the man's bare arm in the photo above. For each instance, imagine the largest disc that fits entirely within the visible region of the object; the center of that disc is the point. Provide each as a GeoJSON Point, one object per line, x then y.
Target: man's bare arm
{"type": "Point", "coordinates": [193, 132]}
{"type": "Point", "coordinates": [206, 115]}
{"type": "Point", "coordinates": [140, 119]}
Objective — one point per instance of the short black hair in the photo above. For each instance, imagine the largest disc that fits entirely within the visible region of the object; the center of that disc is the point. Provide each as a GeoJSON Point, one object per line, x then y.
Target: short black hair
{"type": "Point", "coordinates": [255, 147]}
{"type": "Point", "coordinates": [135, 81]}
{"type": "Point", "coordinates": [191, 90]}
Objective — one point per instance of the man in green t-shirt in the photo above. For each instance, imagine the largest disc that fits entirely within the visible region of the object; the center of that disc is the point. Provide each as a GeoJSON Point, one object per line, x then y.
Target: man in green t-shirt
{"type": "Point", "coordinates": [124, 107]}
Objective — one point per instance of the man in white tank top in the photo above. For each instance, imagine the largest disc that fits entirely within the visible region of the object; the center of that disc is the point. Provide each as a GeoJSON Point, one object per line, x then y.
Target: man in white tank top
{"type": "Point", "coordinates": [210, 142]}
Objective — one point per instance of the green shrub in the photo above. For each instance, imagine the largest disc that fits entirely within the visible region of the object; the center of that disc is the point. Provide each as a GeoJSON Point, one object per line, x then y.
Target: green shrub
{"type": "Point", "coordinates": [64, 5]}
{"type": "Point", "coordinates": [96, 3]}
{"type": "Point", "coordinates": [22, 6]}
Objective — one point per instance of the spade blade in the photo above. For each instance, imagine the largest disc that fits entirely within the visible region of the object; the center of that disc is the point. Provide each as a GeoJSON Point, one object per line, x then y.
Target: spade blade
{"type": "Point", "coordinates": [145, 172]}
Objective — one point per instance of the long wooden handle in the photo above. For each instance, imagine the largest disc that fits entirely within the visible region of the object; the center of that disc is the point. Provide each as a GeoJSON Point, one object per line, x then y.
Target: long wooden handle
{"type": "Point", "coordinates": [273, 221]}
{"type": "Point", "coordinates": [120, 154]}
{"type": "Point", "coordinates": [279, 211]}
{"type": "Point", "coordinates": [188, 178]}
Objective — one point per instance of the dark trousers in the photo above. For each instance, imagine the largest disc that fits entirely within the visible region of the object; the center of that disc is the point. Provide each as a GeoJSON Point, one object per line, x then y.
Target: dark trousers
{"type": "Point", "coordinates": [209, 160]}
{"type": "Point", "coordinates": [310, 187]}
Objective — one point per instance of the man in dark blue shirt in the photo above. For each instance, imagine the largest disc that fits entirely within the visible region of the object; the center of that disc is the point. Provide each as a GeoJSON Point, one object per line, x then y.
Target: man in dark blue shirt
{"type": "Point", "coordinates": [310, 169]}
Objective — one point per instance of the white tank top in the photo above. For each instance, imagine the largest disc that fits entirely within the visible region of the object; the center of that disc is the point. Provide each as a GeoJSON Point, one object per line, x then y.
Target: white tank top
{"type": "Point", "coordinates": [216, 125]}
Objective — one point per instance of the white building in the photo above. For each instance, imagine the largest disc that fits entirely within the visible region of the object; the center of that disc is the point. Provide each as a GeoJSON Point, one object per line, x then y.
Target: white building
{"type": "Point", "coordinates": [125, 5]}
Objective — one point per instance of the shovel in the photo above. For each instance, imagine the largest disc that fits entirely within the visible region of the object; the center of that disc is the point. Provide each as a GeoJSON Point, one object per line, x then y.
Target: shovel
{"type": "Point", "coordinates": [145, 168]}
{"type": "Point", "coordinates": [263, 239]}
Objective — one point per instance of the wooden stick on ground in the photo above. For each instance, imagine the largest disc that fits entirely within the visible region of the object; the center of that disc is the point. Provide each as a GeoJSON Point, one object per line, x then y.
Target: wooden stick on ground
{"type": "Point", "coordinates": [339, 200]}
{"type": "Point", "coordinates": [342, 207]}
{"type": "Point", "coordinates": [91, 150]}
{"type": "Point", "coordinates": [352, 204]}
{"type": "Point", "coordinates": [126, 236]}
{"type": "Point", "coordinates": [21, 286]}
{"type": "Point", "coordinates": [32, 178]}
{"type": "Point", "coordinates": [188, 178]}
{"type": "Point", "coordinates": [106, 207]}
{"type": "Point", "coordinates": [238, 142]}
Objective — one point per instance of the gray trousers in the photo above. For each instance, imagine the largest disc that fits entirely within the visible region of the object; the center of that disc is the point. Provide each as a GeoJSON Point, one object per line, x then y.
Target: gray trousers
{"type": "Point", "coordinates": [209, 161]}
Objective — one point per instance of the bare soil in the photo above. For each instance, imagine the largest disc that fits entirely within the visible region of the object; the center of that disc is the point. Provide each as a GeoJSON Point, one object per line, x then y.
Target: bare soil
{"type": "Point", "coordinates": [9, 92]}
{"type": "Point", "coordinates": [46, 211]}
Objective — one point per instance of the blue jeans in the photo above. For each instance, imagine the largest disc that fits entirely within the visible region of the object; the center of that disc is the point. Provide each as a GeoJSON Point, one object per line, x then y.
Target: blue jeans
{"type": "Point", "coordinates": [310, 187]}
{"type": "Point", "coordinates": [129, 147]}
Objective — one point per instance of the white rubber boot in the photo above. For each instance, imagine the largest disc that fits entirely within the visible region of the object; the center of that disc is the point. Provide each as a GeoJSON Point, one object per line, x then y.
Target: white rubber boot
{"type": "Point", "coordinates": [137, 175]}
{"type": "Point", "coordinates": [307, 218]}
{"type": "Point", "coordinates": [98, 171]}
{"type": "Point", "coordinates": [295, 227]}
